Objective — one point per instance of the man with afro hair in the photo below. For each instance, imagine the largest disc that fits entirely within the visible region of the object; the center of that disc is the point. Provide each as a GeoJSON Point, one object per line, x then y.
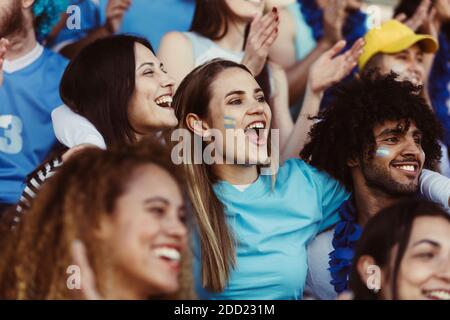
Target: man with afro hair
{"type": "Point", "coordinates": [376, 137]}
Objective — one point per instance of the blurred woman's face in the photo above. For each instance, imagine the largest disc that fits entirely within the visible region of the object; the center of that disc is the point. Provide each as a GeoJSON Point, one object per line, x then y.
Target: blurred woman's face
{"type": "Point", "coordinates": [424, 272]}
{"type": "Point", "coordinates": [150, 106]}
{"type": "Point", "coordinates": [240, 113]}
{"type": "Point", "coordinates": [146, 235]}
{"type": "Point", "coordinates": [408, 64]}
{"type": "Point", "coordinates": [246, 9]}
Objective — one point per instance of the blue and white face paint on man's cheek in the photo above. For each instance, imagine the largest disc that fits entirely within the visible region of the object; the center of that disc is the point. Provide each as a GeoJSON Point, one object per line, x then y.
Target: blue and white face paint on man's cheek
{"type": "Point", "coordinates": [383, 152]}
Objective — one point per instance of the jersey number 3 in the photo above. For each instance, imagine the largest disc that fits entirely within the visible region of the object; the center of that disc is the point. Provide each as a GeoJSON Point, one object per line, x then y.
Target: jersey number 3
{"type": "Point", "coordinates": [11, 139]}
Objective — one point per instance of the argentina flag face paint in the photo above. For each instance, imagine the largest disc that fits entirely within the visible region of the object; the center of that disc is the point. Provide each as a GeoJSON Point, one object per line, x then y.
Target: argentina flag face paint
{"type": "Point", "coordinates": [229, 122]}
{"type": "Point", "coordinates": [383, 152]}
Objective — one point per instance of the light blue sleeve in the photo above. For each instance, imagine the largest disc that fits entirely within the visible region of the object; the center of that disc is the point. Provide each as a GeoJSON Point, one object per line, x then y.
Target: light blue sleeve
{"type": "Point", "coordinates": [333, 195]}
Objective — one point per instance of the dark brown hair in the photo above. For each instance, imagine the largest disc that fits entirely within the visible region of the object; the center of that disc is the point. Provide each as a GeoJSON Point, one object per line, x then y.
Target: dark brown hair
{"type": "Point", "coordinates": [390, 227]}
{"type": "Point", "coordinates": [99, 83]}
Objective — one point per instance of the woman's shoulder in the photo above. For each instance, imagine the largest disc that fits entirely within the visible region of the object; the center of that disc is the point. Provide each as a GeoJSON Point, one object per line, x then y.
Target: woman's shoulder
{"type": "Point", "coordinates": [299, 165]}
{"type": "Point", "coordinates": [302, 174]}
{"type": "Point", "coordinates": [176, 38]}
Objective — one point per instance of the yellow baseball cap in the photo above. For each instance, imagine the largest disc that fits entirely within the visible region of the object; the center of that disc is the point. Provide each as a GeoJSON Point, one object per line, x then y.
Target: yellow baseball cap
{"type": "Point", "coordinates": [392, 37]}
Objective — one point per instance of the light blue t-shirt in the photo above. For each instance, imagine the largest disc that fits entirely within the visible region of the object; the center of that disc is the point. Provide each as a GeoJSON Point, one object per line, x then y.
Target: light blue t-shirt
{"type": "Point", "coordinates": [272, 228]}
{"type": "Point", "coordinates": [29, 93]}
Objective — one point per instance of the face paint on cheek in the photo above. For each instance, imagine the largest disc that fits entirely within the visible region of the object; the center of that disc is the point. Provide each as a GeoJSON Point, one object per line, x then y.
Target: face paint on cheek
{"type": "Point", "coordinates": [400, 69]}
{"type": "Point", "coordinates": [229, 122]}
{"type": "Point", "coordinates": [405, 75]}
{"type": "Point", "coordinates": [383, 152]}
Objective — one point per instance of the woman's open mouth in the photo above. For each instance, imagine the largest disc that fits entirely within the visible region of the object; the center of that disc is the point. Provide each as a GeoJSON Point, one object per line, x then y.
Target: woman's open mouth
{"type": "Point", "coordinates": [170, 255]}
{"type": "Point", "coordinates": [164, 101]}
{"type": "Point", "coordinates": [437, 294]}
{"type": "Point", "coordinates": [256, 132]}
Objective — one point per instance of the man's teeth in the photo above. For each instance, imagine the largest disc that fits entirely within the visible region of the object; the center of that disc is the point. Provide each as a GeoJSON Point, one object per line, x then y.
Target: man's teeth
{"type": "Point", "coordinates": [438, 294]}
{"type": "Point", "coordinates": [168, 253]}
{"type": "Point", "coordinates": [164, 101]}
{"type": "Point", "coordinates": [255, 125]}
{"type": "Point", "coordinates": [407, 168]}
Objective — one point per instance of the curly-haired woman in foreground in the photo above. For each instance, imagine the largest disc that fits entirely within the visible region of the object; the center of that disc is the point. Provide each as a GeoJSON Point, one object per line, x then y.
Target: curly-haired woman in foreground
{"type": "Point", "coordinates": [102, 218]}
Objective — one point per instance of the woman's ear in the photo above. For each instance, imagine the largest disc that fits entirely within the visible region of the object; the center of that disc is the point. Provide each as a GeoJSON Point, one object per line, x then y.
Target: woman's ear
{"type": "Point", "coordinates": [198, 126]}
{"type": "Point", "coordinates": [369, 272]}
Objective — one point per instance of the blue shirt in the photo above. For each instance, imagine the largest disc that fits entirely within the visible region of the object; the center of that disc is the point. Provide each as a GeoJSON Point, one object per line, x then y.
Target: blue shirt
{"type": "Point", "coordinates": [88, 13]}
{"type": "Point", "coordinates": [29, 93]}
{"type": "Point", "coordinates": [148, 19]}
{"type": "Point", "coordinates": [272, 228]}
{"type": "Point", "coordinates": [152, 19]}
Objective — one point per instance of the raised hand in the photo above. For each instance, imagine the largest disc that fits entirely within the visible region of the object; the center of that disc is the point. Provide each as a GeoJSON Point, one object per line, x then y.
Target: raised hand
{"type": "Point", "coordinates": [418, 18]}
{"type": "Point", "coordinates": [115, 10]}
{"type": "Point", "coordinates": [333, 21]}
{"type": "Point", "coordinates": [88, 287]}
{"type": "Point", "coordinates": [4, 43]}
{"type": "Point", "coordinates": [429, 24]}
{"type": "Point", "coordinates": [443, 10]}
{"type": "Point", "coordinates": [332, 67]}
{"type": "Point", "coordinates": [262, 34]}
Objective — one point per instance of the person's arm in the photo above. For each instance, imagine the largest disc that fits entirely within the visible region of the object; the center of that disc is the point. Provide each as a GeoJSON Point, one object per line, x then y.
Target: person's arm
{"type": "Point", "coordinates": [34, 183]}
{"type": "Point", "coordinates": [297, 74]}
{"type": "Point", "coordinates": [281, 117]}
{"type": "Point", "coordinates": [423, 19]}
{"type": "Point", "coordinates": [262, 35]}
{"type": "Point", "coordinates": [3, 48]}
{"type": "Point", "coordinates": [71, 129]}
{"type": "Point", "coordinates": [435, 187]}
{"type": "Point", "coordinates": [284, 48]}
{"type": "Point", "coordinates": [329, 69]}
{"type": "Point", "coordinates": [176, 52]}
{"type": "Point", "coordinates": [115, 11]}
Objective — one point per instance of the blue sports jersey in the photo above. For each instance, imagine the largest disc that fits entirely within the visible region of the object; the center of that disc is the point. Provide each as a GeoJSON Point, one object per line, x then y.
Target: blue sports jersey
{"type": "Point", "coordinates": [152, 19]}
{"type": "Point", "coordinates": [83, 12]}
{"type": "Point", "coordinates": [272, 228]}
{"type": "Point", "coordinates": [29, 93]}
{"type": "Point", "coordinates": [149, 19]}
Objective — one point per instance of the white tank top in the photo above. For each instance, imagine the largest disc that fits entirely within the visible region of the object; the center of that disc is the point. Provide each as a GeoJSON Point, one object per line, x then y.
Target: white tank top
{"type": "Point", "coordinates": [205, 49]}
